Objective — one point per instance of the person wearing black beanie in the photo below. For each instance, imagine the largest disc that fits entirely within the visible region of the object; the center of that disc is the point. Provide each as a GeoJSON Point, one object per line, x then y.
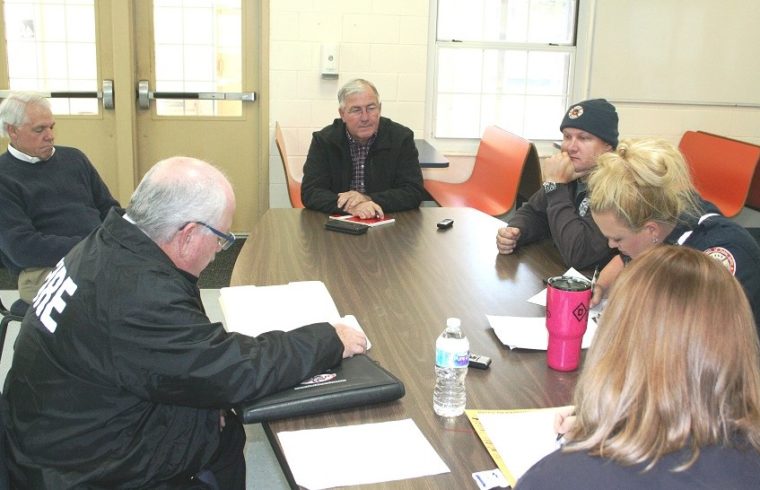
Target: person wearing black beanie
{"type": "Point", "coordinates": [559, 210]}
{"type": "Point", "coordinates": [594, 116]}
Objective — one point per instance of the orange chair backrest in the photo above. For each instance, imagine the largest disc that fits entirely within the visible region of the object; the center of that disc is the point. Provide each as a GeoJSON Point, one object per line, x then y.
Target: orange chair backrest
{"type": "Point", "coordinates": [294, 186]}
{"type": "Point", "coordinates": [499, 166]}
{"type": "Point", "coordinates": [721, 168]}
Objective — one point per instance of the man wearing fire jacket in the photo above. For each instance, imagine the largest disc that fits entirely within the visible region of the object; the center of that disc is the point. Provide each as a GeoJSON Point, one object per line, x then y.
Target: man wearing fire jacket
{"type": "Point", "coordinates": [119, 379]}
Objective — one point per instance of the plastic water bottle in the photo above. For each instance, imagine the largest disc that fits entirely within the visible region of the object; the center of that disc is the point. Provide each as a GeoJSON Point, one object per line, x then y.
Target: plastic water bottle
{"type": "Point", "coordinates": [452, 351]}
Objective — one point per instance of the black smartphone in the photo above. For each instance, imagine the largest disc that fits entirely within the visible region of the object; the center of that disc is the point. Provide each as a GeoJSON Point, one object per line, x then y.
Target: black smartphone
{"type": "Point", "coordinates": [479, 362]}
{"type": "Point", "coordinates": [445, 224]}
{"type": "Point", "coordinates": [346, 227]}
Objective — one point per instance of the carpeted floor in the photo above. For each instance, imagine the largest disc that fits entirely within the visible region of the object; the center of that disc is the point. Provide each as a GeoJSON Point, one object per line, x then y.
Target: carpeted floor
{"type": "Point", "coordinates": [217, 274]}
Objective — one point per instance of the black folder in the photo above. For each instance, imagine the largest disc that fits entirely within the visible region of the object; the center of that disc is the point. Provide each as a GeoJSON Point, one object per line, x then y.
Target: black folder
{"type": "Point", "coordinates": [354, 382]}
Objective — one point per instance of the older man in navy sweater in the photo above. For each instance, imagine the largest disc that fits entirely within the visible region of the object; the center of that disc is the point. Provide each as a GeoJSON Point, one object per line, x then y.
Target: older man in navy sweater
{"type": "Point", "coordinates": [50, 196]}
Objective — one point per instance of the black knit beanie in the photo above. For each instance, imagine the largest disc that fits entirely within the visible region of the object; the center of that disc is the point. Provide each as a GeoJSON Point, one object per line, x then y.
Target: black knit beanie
{"type": "Point", "coordinates": [595, 116]}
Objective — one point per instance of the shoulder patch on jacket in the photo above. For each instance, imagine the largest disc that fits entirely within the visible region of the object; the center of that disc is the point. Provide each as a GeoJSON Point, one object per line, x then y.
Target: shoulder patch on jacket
{"type": "Point", "coordinates": [724, 257]}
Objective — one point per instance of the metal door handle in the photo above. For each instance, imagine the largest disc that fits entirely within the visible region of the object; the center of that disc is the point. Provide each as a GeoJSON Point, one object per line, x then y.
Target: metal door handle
{"type": "Point", "coordinates": [106, 95]}
{"type": "Point", "coordinates": [145, 95]}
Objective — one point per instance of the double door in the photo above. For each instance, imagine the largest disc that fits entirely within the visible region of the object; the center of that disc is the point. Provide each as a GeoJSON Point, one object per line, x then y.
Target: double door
{"type": "Point", "coordinates": [171, 77]}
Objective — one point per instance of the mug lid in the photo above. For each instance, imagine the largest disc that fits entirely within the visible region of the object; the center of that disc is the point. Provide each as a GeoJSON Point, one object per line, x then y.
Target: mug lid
{"type": "Point", "coordinates": [569, 283]}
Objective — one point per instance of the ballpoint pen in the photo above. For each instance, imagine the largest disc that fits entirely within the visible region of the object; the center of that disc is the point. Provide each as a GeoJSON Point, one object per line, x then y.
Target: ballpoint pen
{"type": "Point", "coordinates": [594, 278]}
{"type": "Point", "coordinates": [560, 440]}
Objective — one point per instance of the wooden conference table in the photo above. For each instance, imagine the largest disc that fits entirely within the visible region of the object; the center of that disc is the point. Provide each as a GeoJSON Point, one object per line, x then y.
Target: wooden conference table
{"type": "Point", "coordinates": [402, 281]}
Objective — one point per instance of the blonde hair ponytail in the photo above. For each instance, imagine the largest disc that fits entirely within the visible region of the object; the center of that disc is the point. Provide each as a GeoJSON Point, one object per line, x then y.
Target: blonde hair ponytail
{"type": "Point", "coordinates": [645, 179]}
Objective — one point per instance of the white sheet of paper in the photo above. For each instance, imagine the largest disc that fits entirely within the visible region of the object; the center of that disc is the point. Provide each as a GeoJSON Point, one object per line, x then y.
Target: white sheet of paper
{"type": "Point", "coordinates": [359, 454]}
{"type": "Point", "coordinates": [530, 332]}
{"type": "Point", "coordinates": [521, 438]}
{"type": "Point", "coordinates": [253, 310]}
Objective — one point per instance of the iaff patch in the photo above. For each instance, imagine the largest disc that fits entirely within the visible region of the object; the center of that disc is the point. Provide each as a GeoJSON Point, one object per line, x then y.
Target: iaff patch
{"type": "Point", "coordinates": [575, 112]}
{"type": "Point", "coordinates": [724, 257]}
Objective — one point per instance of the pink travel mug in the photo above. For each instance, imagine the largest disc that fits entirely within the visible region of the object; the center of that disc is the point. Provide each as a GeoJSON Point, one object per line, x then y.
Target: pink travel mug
{"type": "Point", "coordinates": [567, 303]}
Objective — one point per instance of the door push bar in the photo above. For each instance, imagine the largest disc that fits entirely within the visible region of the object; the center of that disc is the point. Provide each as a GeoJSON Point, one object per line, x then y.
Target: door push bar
{"type": "Point", "coordinates": [144, 95]}
{"type": "Point", "coordinates": [106, 95]}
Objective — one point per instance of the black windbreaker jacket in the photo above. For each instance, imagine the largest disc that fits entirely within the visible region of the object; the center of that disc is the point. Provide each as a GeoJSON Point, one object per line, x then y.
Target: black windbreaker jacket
{"type": "Point", "coordinates": [118, 375]}
{"type": "Point", "coordinates": [393, 174]}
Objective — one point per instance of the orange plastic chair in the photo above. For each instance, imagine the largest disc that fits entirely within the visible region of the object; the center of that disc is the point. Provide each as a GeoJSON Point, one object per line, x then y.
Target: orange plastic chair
{"type": "Point", "coordinates": [294, 185]}
{"type": "Point", "coordinates": [753, 153]}
{"type": "Point", "coordinates": [721, 168]}
{"type": "Point", "coordinates": [506, 166]}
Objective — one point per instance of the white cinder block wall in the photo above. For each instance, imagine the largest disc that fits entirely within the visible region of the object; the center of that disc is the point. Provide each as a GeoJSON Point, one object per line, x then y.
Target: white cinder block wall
{"type": "Point", "coordinates": [670, 121]}
{"type": "Point", "coordinates": [386, 41]}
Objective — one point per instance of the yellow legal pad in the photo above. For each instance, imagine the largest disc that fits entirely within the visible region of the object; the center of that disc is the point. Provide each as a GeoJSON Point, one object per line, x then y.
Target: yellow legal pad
{"type": "Point", "coordinates": [516, 439]}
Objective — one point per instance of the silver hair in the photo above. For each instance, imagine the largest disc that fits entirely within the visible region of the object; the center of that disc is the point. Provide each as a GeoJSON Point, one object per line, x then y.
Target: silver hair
{"type": "Point", "coordinates": [355, 86]}
{"type": "Point", "coordinates": [13, 109]}
{"type": "Point", "coordinates": [160, 207]}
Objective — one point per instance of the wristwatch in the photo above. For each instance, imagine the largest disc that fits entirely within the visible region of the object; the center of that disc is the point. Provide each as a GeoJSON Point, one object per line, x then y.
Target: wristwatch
{"type": "Point", "coordinates": [550, 187]}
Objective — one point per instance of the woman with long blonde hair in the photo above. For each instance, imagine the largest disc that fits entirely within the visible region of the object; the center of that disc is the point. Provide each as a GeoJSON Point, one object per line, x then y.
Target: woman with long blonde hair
{"type": "Point", "coordinates": [669, 396]}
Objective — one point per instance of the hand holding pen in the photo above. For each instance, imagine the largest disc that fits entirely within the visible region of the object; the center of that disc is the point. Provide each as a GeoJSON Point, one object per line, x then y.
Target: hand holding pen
{"type": "Point", "coordinates": [564, 420]}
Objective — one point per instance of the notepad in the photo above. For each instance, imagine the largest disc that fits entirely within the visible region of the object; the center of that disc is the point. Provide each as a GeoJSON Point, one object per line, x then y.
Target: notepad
{"type": "Point", "coordinates": [253, 310]}
{"type": "Point", "coordinates": [385, 220]}
{"type": "Point", "coordinates": [516, 439]}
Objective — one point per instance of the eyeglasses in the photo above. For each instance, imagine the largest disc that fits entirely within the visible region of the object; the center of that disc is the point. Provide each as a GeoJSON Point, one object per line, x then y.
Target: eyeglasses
{"type": "Point", "coordinates": [357, 111]}
{"type": "Point", "coordinates": [225, 239]}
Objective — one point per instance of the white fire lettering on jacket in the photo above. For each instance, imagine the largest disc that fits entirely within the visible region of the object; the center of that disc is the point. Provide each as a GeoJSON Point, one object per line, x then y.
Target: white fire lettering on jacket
{"type": "Point", "coordinates": [50, 296]}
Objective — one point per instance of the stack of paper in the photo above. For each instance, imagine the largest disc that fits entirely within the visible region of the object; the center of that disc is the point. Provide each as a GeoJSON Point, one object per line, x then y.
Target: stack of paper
{"type": "Point", "coordinates": [530, 332]}
{"type": "Point", "coordinates": [253, 310]}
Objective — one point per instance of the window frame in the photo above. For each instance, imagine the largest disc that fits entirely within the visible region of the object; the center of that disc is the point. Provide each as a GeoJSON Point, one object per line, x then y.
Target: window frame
{"type": "Point", "coordinates": [577, 76]}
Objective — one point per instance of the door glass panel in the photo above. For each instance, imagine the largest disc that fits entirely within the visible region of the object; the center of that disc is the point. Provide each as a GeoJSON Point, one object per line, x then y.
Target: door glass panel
{"type": "Point", "coordinates": [51, 48]}
{"type": "Point", "coordinates": [197, 49]}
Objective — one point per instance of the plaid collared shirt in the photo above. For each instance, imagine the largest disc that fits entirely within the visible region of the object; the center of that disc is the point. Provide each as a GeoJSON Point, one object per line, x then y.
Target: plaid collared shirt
{"type": "Point", "coordinates": [359, 154]}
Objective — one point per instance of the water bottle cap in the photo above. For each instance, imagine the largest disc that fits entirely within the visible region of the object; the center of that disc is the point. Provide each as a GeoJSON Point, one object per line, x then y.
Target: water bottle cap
{"type": "Point", "coordinates": [453, 322]}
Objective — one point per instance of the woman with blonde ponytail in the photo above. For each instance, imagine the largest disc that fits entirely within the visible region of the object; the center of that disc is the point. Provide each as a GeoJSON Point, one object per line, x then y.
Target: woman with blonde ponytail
{"type": "Point", "coordinates": [641, 196]}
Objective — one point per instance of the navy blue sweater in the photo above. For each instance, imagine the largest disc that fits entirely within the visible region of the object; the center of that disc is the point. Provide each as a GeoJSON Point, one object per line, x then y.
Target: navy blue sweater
{"type": "Point", "coordinates": [48, 207]}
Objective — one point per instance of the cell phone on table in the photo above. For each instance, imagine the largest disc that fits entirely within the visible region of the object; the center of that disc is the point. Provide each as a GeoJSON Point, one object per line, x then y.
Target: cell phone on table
{"type": "Point", "coordinates": [346, 227]}
{"type": "Point", "coordinates": [445, 224]}
{"type": "Point", "coordinates": [479, 362]}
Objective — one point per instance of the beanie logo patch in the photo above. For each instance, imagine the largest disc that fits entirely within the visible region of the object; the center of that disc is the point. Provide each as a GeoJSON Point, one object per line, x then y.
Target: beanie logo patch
{"type": "Point", "coordinates": [575, 112]}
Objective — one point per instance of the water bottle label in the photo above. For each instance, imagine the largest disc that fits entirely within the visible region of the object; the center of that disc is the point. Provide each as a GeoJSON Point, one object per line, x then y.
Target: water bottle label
{"type": "Point", "coordinates": [451, 359]}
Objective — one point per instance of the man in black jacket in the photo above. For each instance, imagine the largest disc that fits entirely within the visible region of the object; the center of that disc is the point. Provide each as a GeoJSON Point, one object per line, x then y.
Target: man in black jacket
{"type": "Point", "coordinates": [362, 164]}
{"type": "Point", "coordinates": [560, 210]}
{"type": "Point", "coordinates": [119, 379]}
